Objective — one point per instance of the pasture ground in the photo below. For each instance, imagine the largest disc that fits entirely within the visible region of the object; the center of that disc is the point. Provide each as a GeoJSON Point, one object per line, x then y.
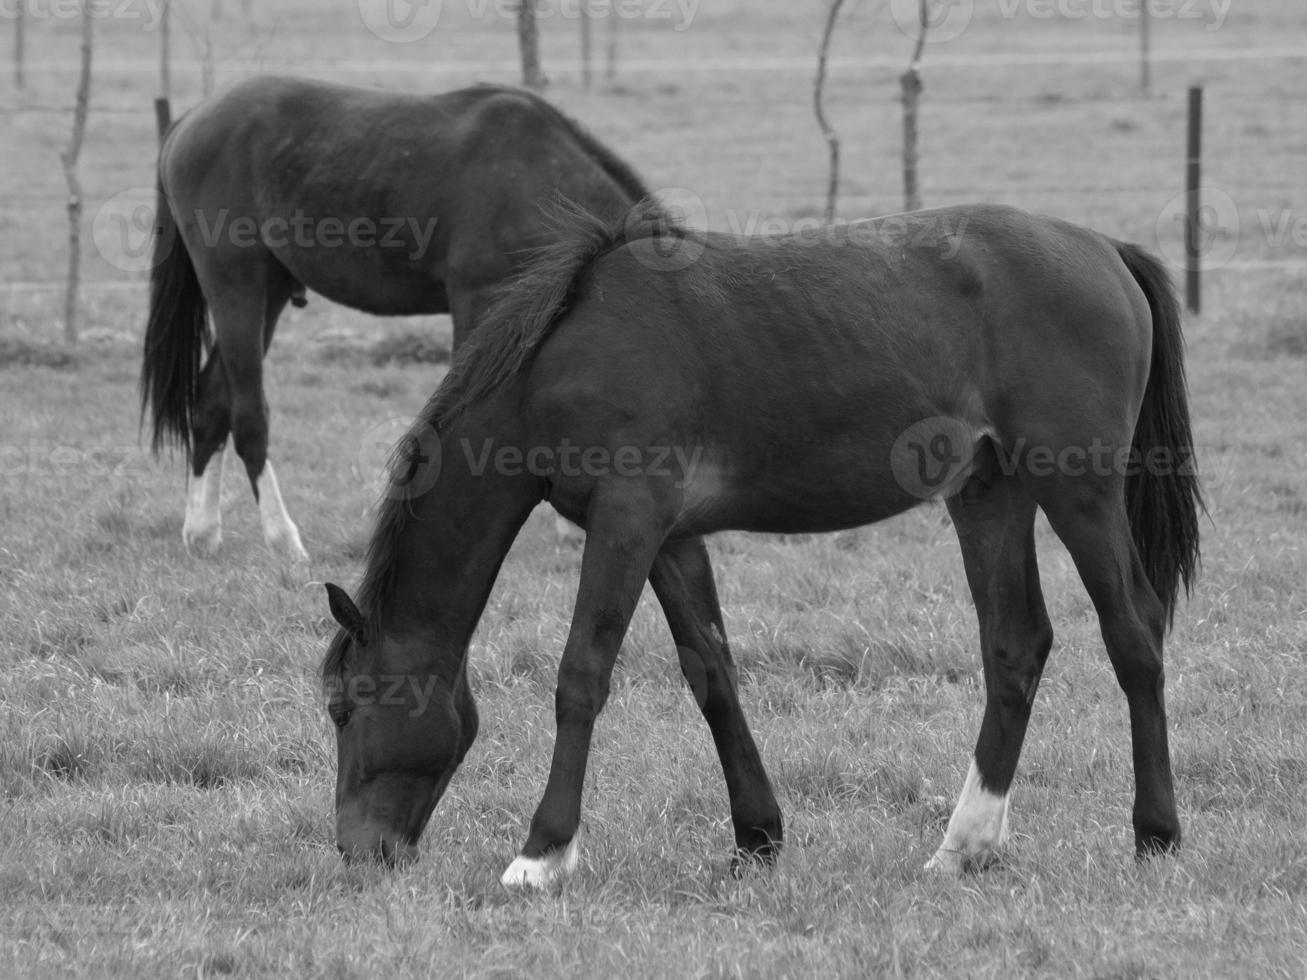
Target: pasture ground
{"type": "Point", "coordinates": [166, 769]}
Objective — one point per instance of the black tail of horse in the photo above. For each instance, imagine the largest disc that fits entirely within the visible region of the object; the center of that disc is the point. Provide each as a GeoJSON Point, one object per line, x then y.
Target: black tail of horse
{"type": "Point", "coordinates": [176, 335]}
{"type": "Point", "coordinates": [1163, 497]}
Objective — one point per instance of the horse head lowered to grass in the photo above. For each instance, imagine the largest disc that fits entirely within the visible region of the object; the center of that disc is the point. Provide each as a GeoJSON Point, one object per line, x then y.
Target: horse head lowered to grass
{"type": "Point", "coordinates": [1000, 361]}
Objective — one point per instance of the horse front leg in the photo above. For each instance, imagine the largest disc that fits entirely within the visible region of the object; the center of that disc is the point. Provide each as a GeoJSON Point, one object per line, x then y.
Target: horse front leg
{"type": "Point", "coordinates": [624, 536]}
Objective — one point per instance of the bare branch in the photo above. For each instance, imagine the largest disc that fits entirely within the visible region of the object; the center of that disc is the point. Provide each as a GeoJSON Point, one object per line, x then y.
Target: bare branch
{"type": "Point", "coordinates": [69, 159]}
{"type": "Point", "coordinates": [528, 40]}
{"type": "Point", "coordinates": [911, 85]}
{"type": "Point", "coordinates": [198, 33]}
{"type": "Point", "coordinates": [587, 58]}
{"type": "Point", "coordinates": [610, 66]}
{"type": "Point", "coordinates": [20, 47]}
{"type": "Point", "coordinates": [828, 131]}
{"type": "Point", "coordinates": [165, 50]}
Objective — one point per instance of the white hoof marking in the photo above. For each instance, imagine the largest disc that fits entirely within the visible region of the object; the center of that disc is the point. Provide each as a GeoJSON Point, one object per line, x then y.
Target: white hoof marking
{"type": "Point", "coordinates": [541, 873]}
{"type": "Point", "coordinates": [202, 528]}
{"type": "Point", "coordinates": [976, 830]}
{"type": "Point", "coordinates": [566, 532]}
{"type": "Point", "coordinates": [279, 531]}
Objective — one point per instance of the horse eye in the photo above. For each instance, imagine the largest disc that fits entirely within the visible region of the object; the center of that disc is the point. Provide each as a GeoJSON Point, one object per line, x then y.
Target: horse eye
{"type": "Point", "coordinates": [339, 715]}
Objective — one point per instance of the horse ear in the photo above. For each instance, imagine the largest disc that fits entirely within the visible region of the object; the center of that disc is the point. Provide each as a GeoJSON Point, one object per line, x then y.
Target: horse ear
{"type": "Point", "coordinates": [345, 612]}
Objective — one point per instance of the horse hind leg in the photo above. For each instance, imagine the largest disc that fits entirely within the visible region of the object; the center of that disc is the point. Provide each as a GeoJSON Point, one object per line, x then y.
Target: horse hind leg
{"type": "Point", "coordinates": [243, 322]}
{"type": "Point", "coordinates": [210, 426]}
{"type": "Point", "coordinates": [1091, 519]}
{"type": "Point", "coordinates": [994, 518]}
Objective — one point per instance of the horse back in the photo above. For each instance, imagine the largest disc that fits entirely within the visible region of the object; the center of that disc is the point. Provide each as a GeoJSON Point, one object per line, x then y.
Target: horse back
{"type": "Point", "coordinates": [799, 366]}
{"type": "Point", "coordinates": [451, 189]}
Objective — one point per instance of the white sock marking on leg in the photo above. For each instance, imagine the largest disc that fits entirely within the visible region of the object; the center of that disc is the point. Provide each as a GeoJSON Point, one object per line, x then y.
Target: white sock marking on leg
{"type": "Point", "coordinates": [543, 872]}
{"type": "Point", "coordinates": [279, 531]}
{"type": "Point", "coordinates": [566, 532]}
{"type": "Point", "coordinates": [977, 828]}
{"type": "Point", "coordinates": [202, 528]}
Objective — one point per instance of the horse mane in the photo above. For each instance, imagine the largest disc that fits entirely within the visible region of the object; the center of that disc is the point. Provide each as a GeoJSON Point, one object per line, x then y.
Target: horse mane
{"type": "Point", "coordinates": [524, 309]}
{"type": "Point", "coordinates": [508, 335]}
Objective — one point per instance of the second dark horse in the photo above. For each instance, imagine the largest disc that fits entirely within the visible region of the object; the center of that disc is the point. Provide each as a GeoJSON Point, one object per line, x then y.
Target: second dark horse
{"type": "Point", "coordinates": [389, 203]}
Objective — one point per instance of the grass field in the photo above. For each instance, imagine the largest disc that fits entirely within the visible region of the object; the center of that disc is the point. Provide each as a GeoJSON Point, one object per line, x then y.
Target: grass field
{"type": "Point", "coordinates": [166, 767]}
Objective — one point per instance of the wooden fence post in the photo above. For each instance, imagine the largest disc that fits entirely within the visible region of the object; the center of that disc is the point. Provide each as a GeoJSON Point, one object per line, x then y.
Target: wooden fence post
{"type": "Point", "coordinates": [1193, 203]}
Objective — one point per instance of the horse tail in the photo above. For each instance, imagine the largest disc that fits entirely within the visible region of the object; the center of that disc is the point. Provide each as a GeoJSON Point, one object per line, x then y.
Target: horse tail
{"type": "Point", "coordinates": [176, 335]}
{"type": "Point", "coordinates": [1163, 496]}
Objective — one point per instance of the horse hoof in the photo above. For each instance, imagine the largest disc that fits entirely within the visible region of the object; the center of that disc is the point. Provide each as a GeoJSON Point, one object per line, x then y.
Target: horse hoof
{"type": "Point", "coordinates": [1149, 846]}
{"type": "Point", "coordinates": [950, 864]}
{"type": "Point", "coordinates": [288, 545]}
{"type": "Point", "coordinates": [955, 864]}
{"type": "Point", "coordinates": [541, 873]}
{"type": "Point", "coordinates": [202, 541]}
{"type": "Point", "coordinates": [743, 865]}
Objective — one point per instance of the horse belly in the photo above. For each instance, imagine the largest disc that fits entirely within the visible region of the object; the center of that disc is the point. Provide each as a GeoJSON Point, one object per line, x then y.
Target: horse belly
{"type": "Point", "coordinates": [364, 283]}
{"type": "Point", "coordinates": [808, 493]}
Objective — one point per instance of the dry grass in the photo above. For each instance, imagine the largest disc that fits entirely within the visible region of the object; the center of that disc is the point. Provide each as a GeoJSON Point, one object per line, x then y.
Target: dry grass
{"type": "Point", "coordinates": [166, 771]}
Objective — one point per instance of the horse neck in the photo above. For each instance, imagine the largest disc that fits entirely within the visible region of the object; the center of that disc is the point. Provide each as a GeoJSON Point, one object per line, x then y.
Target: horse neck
{"type": "Point", "coordinates": [454, 539]}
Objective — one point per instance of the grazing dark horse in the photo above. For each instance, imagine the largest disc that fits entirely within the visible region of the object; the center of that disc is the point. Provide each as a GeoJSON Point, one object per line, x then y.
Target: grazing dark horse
{"type": "Point", "coordinates": [392, 204]}
{"type": "Point", "coordinates": [998, 360]}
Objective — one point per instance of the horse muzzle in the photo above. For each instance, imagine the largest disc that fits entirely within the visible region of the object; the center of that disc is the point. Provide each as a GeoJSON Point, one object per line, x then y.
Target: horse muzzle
{"type": "Point", "coordinates": [388, 849]}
